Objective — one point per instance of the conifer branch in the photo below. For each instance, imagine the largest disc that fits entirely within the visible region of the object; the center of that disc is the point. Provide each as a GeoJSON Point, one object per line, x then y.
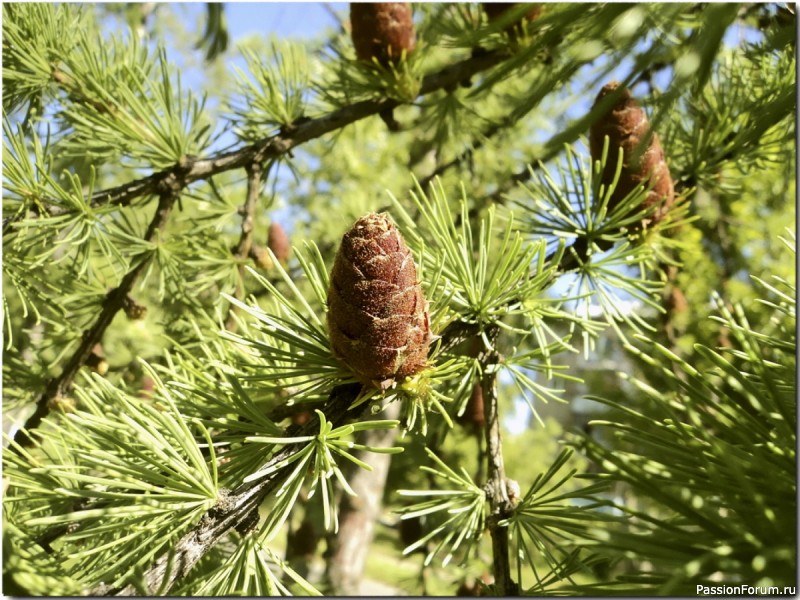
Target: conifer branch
{"type": "Point", "coordinates": [459, 331]}
{"type": "Point", "coordinates": [235, 508]}
{"type": "Point", "coordinates": [506, 123]}
{"type": "Point", "coordinates": [681, 179]}
{"type": "Point", "coordinates": [195, 169]}
{"type": "Point", "coordinates": [114, 302]}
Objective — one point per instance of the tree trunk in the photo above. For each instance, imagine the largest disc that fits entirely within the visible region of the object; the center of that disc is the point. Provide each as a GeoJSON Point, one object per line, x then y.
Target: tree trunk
{"type": "Point", "coordinates": [357, 514]}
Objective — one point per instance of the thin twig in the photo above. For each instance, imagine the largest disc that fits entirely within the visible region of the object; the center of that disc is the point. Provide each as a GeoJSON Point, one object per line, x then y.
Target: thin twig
{"type": "Point", "coordinates": [496, 484]}
{"type": "Point", "coordinates": [113, 303]}
{"type": "Point", "coordinates": [242, 251]}
{"type": "Point", "coordinates": [466, 154]}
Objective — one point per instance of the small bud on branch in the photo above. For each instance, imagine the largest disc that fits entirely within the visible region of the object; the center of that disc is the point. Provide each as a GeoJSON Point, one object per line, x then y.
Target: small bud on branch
{"type": "Point", "coordinates": [96, 361]}
{"type": "Point", "coordinates": [133, 310]}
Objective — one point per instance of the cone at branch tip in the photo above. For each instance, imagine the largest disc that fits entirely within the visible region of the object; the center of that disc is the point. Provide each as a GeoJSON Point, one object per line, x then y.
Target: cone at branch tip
{"type": "Point", "coordinates": [626, 125]}
{"type": "Point", "coordinates": [377, 313]}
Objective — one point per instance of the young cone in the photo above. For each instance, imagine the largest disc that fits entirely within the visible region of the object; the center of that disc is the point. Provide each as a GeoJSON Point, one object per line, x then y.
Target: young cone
{"type": "Point", "coordinates": [626, 125]}
{"type": "Point", "coordinates": [473, 417]}
{"type": "Point", "coordinates": [377, 314]}
{"type": "Point", "coordinates": [382, 30]}
{"type": "Point", "coordinates": [278, 242]}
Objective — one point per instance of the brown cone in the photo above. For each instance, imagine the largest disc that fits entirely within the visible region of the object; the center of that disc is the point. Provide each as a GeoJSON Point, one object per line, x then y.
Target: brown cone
{"type": "Point", "coordinates": [301, 418]}
{"type": "Point", "coordinates": [278, 242]}
{"type": "Point", "coordinates": [382, 30]}
{"type": "Point", "coordinates": [473, 416]}
{"type": "Point", "coordinates": [377, 314]}
{"type": "Point", "coordinates": [495, 10]}
{"type": "Point", "coordinates": [626, 125]}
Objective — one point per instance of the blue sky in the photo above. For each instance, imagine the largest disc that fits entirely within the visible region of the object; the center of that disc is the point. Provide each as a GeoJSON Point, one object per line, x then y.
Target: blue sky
{"type": "Point", "coordinates": [287, 19]}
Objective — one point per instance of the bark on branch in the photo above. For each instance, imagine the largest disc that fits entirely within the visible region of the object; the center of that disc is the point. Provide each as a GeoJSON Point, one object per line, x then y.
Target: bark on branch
{"type": "Point", "coordinates": [234, 508]}
{"type": "Point", "coordinates": [497, 495]}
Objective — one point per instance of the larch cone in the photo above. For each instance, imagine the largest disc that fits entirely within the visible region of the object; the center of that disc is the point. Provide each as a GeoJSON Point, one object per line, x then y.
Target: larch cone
{"type": "Point", "coordinates": [626, 124]}
{"type": "Point", "coordinates": [382, 30]}
{"type": "Point", "coordinates": [473, 413]}
{"type": "Point", "coordinates": [278, 242]}
{"type": "Point", "coordinates": [377, 313]}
